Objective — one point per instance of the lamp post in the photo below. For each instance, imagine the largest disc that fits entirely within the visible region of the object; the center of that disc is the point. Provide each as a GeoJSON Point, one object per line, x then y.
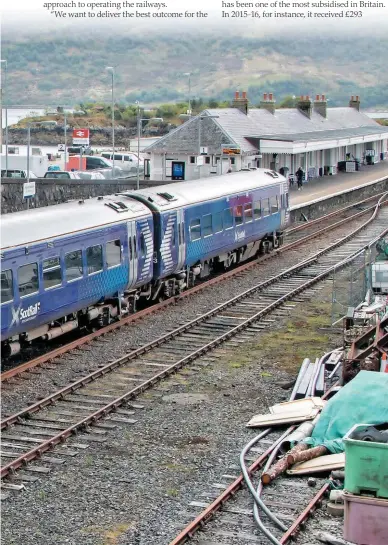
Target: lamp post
{"type": "Point", "coordinates": [189, 76]}
{"type": "Point", "coordinates": [139, 125]}
{"type": "Point", "coordinates": [3, 93]}
{"type": "Point", "coordinates": [112, 71]}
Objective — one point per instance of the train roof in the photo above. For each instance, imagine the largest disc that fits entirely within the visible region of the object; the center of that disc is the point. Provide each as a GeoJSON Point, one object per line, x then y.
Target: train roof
{"type": "Point", "coordinates": [170, 196]}
{"type": "Point", "coordinates": [30, 226]}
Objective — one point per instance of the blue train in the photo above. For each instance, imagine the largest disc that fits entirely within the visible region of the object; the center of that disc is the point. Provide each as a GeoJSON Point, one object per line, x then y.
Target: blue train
{"type": "Point", "coordinates": [86, 263]}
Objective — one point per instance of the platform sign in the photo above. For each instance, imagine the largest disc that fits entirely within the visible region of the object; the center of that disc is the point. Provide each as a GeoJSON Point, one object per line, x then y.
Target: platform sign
{"type": "Point", "coordinates": [203, 150]}
{"type": "Point", "coordinates": [231, 151]}
{"type": "Point", "coordinates": [28, 190]}
{"type": "Point", "coordinates": [81, 136]}
{"type": "Point", "coordinates": [61, 147]}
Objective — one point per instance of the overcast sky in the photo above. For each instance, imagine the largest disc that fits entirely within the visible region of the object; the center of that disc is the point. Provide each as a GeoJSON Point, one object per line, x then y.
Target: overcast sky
{"type": "Point", "coordinates": [33, 14]}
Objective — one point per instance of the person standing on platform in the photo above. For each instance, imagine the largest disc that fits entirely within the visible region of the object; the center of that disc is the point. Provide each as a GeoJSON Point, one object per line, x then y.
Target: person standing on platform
{"type": "Point", "coordinates": [299, 177]}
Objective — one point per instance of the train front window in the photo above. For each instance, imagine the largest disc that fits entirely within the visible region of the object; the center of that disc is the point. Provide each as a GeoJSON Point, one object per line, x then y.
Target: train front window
{"type": "Point", "coordinates": [195, 229]}
{"type": "Point", "coordinates": [6, 286]}
{"type": "Point", "coordinates": [113, 253]}
{"type": "Point", "coordinates": [28, 279]}
{"type": "Point", "coordinates": [94, 259]}
{"type": "Point", "coordinates": [52, 274]}
{"type": "Point", "coordinates": [73, 265]}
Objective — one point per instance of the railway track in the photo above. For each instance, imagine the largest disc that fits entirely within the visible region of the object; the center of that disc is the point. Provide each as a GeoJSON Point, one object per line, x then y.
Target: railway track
{"type": "Point", "coordinates": [295, 237]}
{"type": "Point", "coordinates": [35, 430]}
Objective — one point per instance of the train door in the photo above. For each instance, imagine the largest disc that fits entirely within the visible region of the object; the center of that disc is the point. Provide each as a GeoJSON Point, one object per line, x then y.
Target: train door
{"type": "Point", "coordinates": [132, 254]}
{"type": "Point", "coordinates": [181, 238]}
{"type": "Point", "coordinates": [145, 250]}
{"type": "Point", "coordinates": [169, 245]}
{"type": "Point", "coordinates": [285, 215]}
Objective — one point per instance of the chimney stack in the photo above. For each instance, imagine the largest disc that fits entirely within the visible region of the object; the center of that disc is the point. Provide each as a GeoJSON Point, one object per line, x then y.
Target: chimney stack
{"type": "Point", "coordinates": [268, 103]}
{"type": "Point", "coordinates": [320, 105]}
{"type": "Point", "coordinates": [355, 102]}
{"type": "Point", "coordinates": [305, 106]}
{"type": "Point", "coordinates": [241, 102]}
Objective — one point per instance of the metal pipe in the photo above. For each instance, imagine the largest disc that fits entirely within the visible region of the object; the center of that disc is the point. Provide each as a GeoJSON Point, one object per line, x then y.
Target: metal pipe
{"type": "Point", "coordinates": [65, 158]}
{"type": "Point", "coordinates": [138, 146]}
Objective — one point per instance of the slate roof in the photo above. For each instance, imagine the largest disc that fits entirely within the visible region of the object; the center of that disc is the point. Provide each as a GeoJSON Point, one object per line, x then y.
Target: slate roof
{"type": "Point", "coordinates": [260, 123]}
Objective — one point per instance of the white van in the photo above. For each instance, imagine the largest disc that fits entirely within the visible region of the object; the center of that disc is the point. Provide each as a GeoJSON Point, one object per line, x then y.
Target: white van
{"type": "Point", "coordinates": [126, 161]}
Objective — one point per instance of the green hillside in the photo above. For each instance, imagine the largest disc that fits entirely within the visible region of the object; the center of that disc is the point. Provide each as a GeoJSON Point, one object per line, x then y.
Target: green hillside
{"type": "Point", "coordinates": [68, 70]}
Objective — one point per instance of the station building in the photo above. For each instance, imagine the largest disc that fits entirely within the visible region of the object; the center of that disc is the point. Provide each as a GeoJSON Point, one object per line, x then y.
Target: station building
{"type": "Point", "coordinates": [319, 139]}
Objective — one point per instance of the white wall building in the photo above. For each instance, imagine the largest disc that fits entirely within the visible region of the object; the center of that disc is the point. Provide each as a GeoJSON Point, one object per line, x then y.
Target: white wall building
{"type": "Point", "coordinates": [313, 136]}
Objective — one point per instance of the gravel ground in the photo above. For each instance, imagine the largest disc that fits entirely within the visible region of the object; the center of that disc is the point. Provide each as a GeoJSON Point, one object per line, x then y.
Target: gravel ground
{"type": "Point", "coordinates": [136, 487]}
{"type": "Point", "coordinates": [72, 366]}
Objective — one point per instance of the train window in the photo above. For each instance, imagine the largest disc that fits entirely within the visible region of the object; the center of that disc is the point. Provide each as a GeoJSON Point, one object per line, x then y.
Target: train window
{"type": "Point", "coordinates": [248, 212]}
{"type": "Point", "coordinates": [6, 286]}
{"type": "Point", "coordinates": [265, 205]}
{"type": "Point", "coordinates": [274, 205]}
{"type": "Point", "coordinates": [94, 259]}
{"type": "Point", "coordinates": [52, 274]}
{"type": "Point", "coordinates": [217, 222]}
{"type": "Point", "coordinates": [73, 265]}
{"type": "Point", "coordinates": [28, 279]}
{"type": "Point", "coordinates": [238, 214]}
{"type": "Point", "coordinates": [228, 218]}
{"type": "Point", "coordinates": [113, 253]}
{"type": "Point", "coordinates": [195, 229]}
{"type": "Point", "coordinates": [207, 225]}
{"type": "Point", "coordinates": [257, 210]}
{"type": "Point", "coordinates": [142, 246]}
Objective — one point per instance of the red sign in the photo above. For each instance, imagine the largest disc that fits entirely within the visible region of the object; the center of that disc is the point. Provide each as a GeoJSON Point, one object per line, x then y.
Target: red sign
{"type": "Point", "coordinates": [81, 136]}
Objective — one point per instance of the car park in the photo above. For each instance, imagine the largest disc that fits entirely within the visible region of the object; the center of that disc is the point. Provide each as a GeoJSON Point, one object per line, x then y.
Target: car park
{"type": "Point", "coordinates": [127, 161]}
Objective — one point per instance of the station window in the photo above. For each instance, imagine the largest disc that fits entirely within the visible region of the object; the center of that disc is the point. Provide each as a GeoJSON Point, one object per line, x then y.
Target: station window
{"type": "Point", "coordinates": [238, 214]}
{"type": "Point", "coordinates": [248, 212]}
{"type": "Point", "coordinates": [265, 205]}
{"type": "Point", "coordinates": [94, 259]}
{"type": "Point", "coordinates": [257, 210]}
{"type": "Point", "coordinates": [113, 253]}
{"type": "Point", "coordinates": [207, 226]}
{"type": "Point", "coordinates": [232, 160]}
{"type": "Point", "coordinates": [274, 205]}
{"type": "Point", "coordinates": [52, 274]}
{"type": "Point", "coordinates": [6, 286]}
{"type": "Point", "coordinates": [207, 160]}
{"type": "Point", "coordinates": [28, 279]}
{"type": "Point", "coordinates": [73, 265]}
{"type": "Point", "coordinates": [195, 229]}
{"type": "Point", "coordinates": [217, 222]}
{"type": "Point", "coordinates": [192, 160]}
{"type": "Point", "coordinates": [228, 218]}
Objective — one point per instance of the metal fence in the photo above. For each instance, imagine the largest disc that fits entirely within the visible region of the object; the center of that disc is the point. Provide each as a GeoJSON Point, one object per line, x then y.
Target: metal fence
{"type": "Point", "coordinates": [352, 281]}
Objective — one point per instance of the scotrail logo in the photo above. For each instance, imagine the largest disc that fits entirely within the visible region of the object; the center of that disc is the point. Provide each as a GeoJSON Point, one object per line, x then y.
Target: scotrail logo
{"type": "Point", "coordinates": [239, 235]}
{"type": "Point", "coordinates": [21, 315]}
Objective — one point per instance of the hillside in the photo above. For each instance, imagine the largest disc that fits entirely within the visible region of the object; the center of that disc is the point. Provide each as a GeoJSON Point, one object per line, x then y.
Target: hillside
{"type": "Point", "coordinates": [54, 69]}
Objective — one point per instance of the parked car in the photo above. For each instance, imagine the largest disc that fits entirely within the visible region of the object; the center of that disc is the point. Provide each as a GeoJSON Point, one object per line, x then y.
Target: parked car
{"type": "Point", "coordinates": [104, 166]}
{"type": "Point", "coordinates": [62, 175]}
{"type": "Point", "coordinates": [16, 173]}
{"type": "Point", "coordinates": [91, 175]}
{"type": "Point", "coordinates": [76, 150]}
{"type": "Point", "coordinates": [126, 161]}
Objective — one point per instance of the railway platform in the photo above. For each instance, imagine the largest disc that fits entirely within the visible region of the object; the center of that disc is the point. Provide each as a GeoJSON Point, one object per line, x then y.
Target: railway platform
{"type": "Point", "coordinates": [330, 185]}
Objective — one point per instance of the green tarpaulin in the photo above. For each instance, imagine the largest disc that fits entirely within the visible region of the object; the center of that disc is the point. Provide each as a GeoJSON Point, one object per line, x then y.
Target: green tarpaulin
{"type": "Point", "coordinates": [364, 400]}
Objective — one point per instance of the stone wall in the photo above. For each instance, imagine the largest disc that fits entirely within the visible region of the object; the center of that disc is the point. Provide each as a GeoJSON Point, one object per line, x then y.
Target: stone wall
{"type": "Point", "coordinates": [53, 191]}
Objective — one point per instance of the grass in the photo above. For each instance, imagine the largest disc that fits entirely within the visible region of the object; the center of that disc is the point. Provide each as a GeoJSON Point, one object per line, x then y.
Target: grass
{"type": "Point", "coordinates": [109, 536]}
{"type": "Point", "coordinates": [172, 492]}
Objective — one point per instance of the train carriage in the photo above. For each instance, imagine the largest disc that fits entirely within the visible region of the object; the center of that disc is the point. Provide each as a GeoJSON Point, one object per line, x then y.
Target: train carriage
{"type": "Point", "coordinates": [70, 265]}
{"type": "Point", "coordinates": [211, 223]}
